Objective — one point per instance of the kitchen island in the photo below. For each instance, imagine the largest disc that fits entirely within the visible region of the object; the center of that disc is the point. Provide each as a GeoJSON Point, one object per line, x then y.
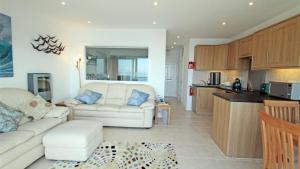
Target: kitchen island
{"type": "Point", "coordinates": [236, 124]}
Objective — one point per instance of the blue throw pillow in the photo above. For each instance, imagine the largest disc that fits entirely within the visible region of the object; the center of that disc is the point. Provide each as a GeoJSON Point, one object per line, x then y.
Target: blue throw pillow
{"type": "Point", "coordinates": [7, 123]}
{"type": "Point", "coordinates": [89, 97]}
{"type": "Point", "coordinates": [137, 98]}
{"type": "Point", "coordinates": [11, 112]}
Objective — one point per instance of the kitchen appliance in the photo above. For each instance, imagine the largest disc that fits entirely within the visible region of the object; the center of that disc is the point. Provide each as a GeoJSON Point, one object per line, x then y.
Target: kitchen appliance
{"type": "Point", "coordinates": [237, 86]}
{"type": "Point", "coordinates": [40, 84]}
{"type": "Point", "coordinates": [285, 90]}
{"type": "Point", "coordinates": [215, 78]}
{"type": "Point", "coordinates": [265, 88]}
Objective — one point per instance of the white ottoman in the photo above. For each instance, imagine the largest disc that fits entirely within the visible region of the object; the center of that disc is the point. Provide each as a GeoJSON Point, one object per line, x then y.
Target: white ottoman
{"type": "Point", "coordinates": [73, 141]}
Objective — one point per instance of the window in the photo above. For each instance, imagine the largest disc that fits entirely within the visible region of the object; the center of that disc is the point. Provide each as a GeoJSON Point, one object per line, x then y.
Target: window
{"type": "Point", "coordinates": [123, 64]}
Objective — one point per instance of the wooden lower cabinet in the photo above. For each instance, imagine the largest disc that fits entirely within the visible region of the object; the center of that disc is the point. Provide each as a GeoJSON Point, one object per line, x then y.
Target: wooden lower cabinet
{"type": "Point", "coordinates": [203, 100]}
{"type": "Point", "coordinates": [236, 128]}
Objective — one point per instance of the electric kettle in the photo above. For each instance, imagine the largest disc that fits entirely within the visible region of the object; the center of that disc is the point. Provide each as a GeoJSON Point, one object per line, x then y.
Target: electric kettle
{"type": "Point", "coordinates": [237, 86]}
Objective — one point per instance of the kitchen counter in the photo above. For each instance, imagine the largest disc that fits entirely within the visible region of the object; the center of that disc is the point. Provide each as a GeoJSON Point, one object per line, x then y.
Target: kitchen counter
{"type": "Point", "coordinates": [216, 86]}
{"type": "Point", "coordinates": [243, 96]}
{"type": "Point", "coordinates": [251, 97]}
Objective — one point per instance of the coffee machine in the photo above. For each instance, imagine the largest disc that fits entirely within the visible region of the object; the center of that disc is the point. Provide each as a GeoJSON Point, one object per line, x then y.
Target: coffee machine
{"type": "Point", "coordinates": [214, 78]}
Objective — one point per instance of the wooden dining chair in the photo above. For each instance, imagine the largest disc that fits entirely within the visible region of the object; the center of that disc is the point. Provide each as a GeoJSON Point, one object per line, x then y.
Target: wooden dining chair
{"type": "Point", "coordinates": [278, 138]}
{"type": "Point", "coordinates": [284, 110]}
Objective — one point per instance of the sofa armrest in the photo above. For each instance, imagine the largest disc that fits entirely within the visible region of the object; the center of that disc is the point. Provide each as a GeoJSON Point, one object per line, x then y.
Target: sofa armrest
{"type": "Point", "coordinates": [72, 102]}
{"type": "Point", "coordinates": [58, 112]}
{"type": "Point", "coordinates": [150, 104]}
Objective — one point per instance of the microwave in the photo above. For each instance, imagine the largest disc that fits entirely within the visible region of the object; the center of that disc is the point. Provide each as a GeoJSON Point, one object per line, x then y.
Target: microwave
{"type": "Point", "coordinates": [290, 91]}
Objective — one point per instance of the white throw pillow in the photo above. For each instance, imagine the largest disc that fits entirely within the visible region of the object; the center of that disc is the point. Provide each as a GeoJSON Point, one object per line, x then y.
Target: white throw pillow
{"type": "Point", "coordinates": [36, 108]}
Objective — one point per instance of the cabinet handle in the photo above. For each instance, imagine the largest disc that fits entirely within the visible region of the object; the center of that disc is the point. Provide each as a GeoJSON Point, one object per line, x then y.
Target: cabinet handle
{"type": "Point", "coordinates": [267, 57]}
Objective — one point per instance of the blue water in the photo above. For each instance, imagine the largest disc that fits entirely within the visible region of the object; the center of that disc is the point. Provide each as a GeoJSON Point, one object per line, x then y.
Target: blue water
{"type": "Point", "coordinates": [6, 60]}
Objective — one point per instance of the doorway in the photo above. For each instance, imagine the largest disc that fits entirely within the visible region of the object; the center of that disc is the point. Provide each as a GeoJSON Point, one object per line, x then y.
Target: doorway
{"type": "Point", "coordinates": [173, 76]}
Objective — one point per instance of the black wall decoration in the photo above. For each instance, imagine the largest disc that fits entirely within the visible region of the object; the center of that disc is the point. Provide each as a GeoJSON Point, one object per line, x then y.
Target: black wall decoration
{"type": "Point", "coordinates": [48, 44]}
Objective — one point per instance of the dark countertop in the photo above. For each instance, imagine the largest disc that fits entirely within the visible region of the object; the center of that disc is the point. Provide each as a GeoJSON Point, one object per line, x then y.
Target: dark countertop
{"type": "Point", "coordinates": [251, 97]}
{"type": "Point", "coordinates": [243, 96]}
{"type": "Point", "coordinates": [216, 86]}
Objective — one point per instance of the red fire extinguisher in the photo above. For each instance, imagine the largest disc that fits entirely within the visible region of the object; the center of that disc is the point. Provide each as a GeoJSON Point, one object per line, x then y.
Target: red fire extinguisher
{"type": "Point", "coordinates": [191, 65]}
{"type": "Point", "coordinates": [191, 91]}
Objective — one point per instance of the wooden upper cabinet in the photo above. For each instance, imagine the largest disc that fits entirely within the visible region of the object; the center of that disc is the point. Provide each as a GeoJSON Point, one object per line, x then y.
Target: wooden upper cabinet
{"type": "Point", "coordinates": [204, 57]}
{"type": "Point", "coordinates": [220, 57]}
{"type": "Point", "coordinates": [245, 47]}
{"type": "Point", "coordinates": [285, 44]}
{"type": "Point", "coordinates": [233, 60]}
{"type": "Point", "coordinates": [233, 50]}
{"type": "Point", "coordinates": [261, 47]}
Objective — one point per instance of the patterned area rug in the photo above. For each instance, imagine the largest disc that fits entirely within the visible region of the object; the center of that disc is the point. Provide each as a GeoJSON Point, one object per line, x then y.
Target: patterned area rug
{"type": "Point", "coordinates": [126, 156]}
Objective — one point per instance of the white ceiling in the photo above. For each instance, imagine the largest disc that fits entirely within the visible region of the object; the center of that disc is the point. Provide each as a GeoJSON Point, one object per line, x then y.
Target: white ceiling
{"type": "Point", "coordinates": [187, 18]}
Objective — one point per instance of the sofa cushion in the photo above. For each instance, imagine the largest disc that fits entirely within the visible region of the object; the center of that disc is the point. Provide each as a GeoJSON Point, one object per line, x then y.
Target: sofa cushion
{"type": "Point", "coordinates": [116, 94]}
{"type": "Point", "coordinates": [37, 107]}
{"type": "Point", "coordinates": [131, 109]}
{"type": "Point", "coordinates": [108, 107]}
{"type": "Point", "coordinates": [109, 114]}
{"type": "Point", "coordinates": [18, 152]}
{"type": "Point", "coordinates": [14, 97]}
{"type": "Point", "coordinates": [137, 98]}
{"type": "Point", "coordinates": [144, 88]}
{"type": "Point", "coordinates": [11, 112]}
{"type": "Point", "coordinates": [58, 112]}
{"type": "Point", "coordinates": [86, 107]}
{"type": "Point", "coordinates": [40, 126]}
{"type": "Point", "coordinates": [9, 118]}
{"type": "Point", "coordinates": [89, 97]}
{"type": "Point", "coordinates": [97, 87]}
{"type": "Point", "coordinates": [13, 139]}
{"type": "Point", "coordinates": [7, 124]}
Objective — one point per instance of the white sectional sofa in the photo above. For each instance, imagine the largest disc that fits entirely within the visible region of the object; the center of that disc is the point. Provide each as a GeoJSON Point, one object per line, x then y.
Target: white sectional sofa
{"type": "Point", "coordinates": [18, 149]}
{"type": "Point", "coordinates": [112, 108]}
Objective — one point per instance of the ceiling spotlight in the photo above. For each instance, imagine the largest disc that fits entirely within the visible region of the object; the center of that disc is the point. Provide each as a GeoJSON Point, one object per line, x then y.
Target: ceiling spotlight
{"type": "Point", "coordinates": [251, 3]}
{"type": "Point", "coordinates": [172, 47]}
{"type": "Point", "coordinates": [89, 22]}
{"type": "Point", "coordinates": [174, 43]}
{"type": "Point", "coordinates": [154, 23]}
{"type": "Point", "coordinates": [178, 36]}
{"type": "Point", "coordinates": [155, 3]}
{"type": "Point", "coordinates": [63, 3]}
{"type": "Point", "coordinates": [224, 23]}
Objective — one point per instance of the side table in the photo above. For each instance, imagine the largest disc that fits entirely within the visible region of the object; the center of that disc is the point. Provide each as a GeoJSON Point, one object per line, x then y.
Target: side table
{"type": "Point", "coordinates": [70, 115]}
{"type": "Point", "coordinates": [163, 106]}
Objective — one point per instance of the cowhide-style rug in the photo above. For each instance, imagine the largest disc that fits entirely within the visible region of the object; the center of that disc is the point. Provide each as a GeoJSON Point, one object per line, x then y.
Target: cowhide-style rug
{"type": "Point", "coordinates": [126, 156]}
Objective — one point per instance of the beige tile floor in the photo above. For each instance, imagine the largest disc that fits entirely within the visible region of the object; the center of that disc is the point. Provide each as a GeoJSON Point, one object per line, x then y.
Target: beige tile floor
{"type": "Point", "coordinates": [188, 132]}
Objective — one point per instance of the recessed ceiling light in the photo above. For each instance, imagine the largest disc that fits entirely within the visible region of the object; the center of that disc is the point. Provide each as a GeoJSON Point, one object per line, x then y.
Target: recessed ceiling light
{"type": "Point", "coordinates": [155, 3]}
{"type": "Point", "coordinates": [174, 43]}
{"type": "Point", "coordinates": [224, 23]}
{"type": "Point", "coordinates": [178, 36]}
{"type": "Point", "coordinates": [154, 23]}
{"type": "Point", "coordinates": [63, 3]}
{"type": "Point", "coordinates": [251, 3]}
{"type": "Point", "coordinates": [89, 22]}
{"type": "Point", "coordinates": [172, 47]}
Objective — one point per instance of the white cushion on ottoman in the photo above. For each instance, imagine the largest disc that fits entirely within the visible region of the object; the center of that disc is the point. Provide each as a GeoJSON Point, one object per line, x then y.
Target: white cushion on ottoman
{"type": "Point", "coordinates": [73, 141]}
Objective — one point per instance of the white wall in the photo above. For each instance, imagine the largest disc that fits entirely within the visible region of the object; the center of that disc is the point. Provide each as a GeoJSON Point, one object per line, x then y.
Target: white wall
{"type": "Point", "coordinates": [154, 40]}
{"type": "Point", "coordinates": [25, 27]}
{"type": "Point", "coordinates": [27, 24]}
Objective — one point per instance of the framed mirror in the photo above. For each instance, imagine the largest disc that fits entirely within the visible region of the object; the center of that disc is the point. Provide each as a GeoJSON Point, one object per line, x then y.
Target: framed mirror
{"type": "Point", "coordinates": [118, 64]}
